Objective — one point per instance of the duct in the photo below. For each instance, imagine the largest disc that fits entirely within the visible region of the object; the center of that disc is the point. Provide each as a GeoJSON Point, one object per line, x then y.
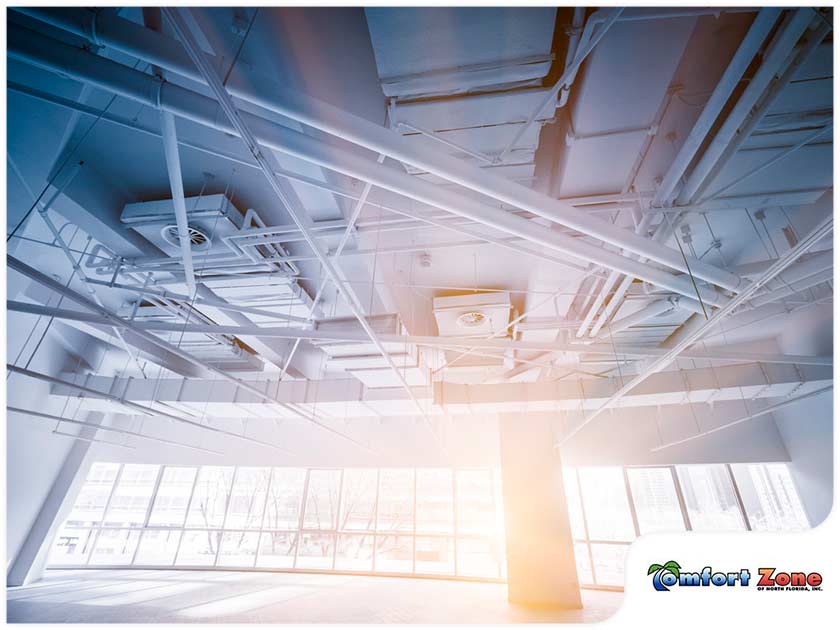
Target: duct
{"type": "Point", "coordinates": [348, 397]}
{"type": "Point", "coordinates": [100, 427]}
{"type": "Point", "coordinates": [145, 410]}
{"type": "Point", "coordinates": [793, 288]}
{"type": "Point", "coordinates": [750, 416]}
{"type": "Point", "coordinates": [824, 228]}
{"type": "Point", "coordinates": [111, 319]}
{"type": "Point", "coordinates": [160, 50]}
{"type": "Point", "coordinates": [776, 56]}
{"type": "Point", "coordinates": [176, 183]}
{"type": "Point", "coordinates": [146, 89]}
{"type": "Point", "coordinates": [283, 190]}
{"type": "Point", "coordinates": [396, 343]}
{"type": "Point", "coordinates": [757, 33]}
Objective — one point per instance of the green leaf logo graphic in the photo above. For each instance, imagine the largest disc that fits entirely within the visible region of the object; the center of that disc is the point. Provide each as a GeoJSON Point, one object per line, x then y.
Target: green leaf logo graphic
{"type": "Point", "coordinates": [672, 567]}
{"type": "Point", "coordinates": [654, 568]}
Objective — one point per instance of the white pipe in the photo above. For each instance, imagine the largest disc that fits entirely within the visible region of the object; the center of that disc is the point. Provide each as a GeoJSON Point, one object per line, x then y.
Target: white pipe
{"type": "Point", "coordinates": [181, 102]}
{"type": "Point", "coordinates": [750, 45]}
{"type": "Point", "coordinates": [659, 307]}
{"type": "Point", "coordinates": [793, 288]}
{"type": "Point", "coordinates": [176, 183]}
{"type": "Point", "coordinates": [824, 228]}
{"type": "Point", "coordinates": [160, 50]}
{"type": "Point", "coordinates": [772, 63]}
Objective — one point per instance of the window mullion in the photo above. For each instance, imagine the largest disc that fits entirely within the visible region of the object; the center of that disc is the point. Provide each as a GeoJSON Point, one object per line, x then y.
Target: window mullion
{"type": "Point", "coordinates": [300, 518]}
{"type": "Point", "coordinates": [186, 514]}
{"type": "Point", "coordinates": [99, 528]}
{"type": "Point", "coordinates": [630, 501]}
{"type": "Point", "coordinates": [680, 497]}
{"type": "Point", "coordinates": [738, 499]}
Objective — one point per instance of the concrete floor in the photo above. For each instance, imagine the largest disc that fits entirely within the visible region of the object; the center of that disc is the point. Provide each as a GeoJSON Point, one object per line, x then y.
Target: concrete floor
{"type": "Point", "coordinates": [126, 596]}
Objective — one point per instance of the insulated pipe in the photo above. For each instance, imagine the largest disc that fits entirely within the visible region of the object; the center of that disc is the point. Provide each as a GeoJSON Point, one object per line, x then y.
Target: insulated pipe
{"type": "Point", "coordinates": [114, 77]}
{"type": "Point", "coordinates": [758, 32]}
{"type": "Point", "coordinates": [659, 307]}
{"type": "Point", "coordinates": [773, 61]}
{"type": "Point", "coordinates": [176, 184]}
{"type": "Point", "coordinates": [138, 41]}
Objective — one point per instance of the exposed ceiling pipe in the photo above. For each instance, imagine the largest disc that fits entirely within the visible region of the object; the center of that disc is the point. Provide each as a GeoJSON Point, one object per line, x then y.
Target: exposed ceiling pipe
{"type": "Point", "coordinates": [176, 184]}
{"type": "Point", "coordinates": [824, 228]}
{"type": "Point", "coordinates": [352, 336]}
{"type": "Point", "coordinates": [99, 427]}
{"type": "Point", "coordinates": [655, 309]}
{"type": "Point", "coordinates": [777, 55]}
{"type": "Point", "coordinates": [750, 45]}
{"type": "Point", "coordinates": [110, 319]}
{"type": "Point", "coordinates": [793, 288]}
{"type": "Point", "coordinates": [285, 193]}
{"type": "Point", "coordinates": [114, 77]}
{"type": "Point", "coordinates": [165, 52]}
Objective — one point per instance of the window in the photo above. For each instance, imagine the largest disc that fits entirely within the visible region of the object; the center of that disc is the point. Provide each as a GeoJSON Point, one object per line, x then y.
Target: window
{"type": "Point", "coordinates": [395, 520]}
{"type": "Point", "coordinates": [609, 507]}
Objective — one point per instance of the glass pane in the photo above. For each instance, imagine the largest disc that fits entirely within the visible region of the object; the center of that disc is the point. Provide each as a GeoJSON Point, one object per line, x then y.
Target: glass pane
{"type": "Point", "coordinates": [605, 501]}
{"type": "Point", "coordinates": [396, 500]}
{"type": "Point", "coordinates": [158, 547]}
{"type": "Point", "coordinates": [474, 493]}
{"type": "Point", "coordinates": [277, 550]}
{"type": "Point", "coordinates": [170, 506]}
{"type": "Point", "coordinates": [584, 566]}
{"type": "Point", "coordinates": [198, 548]}
{"type": "Point", "coordinates": [478, 557]}
{"type": "Point", "coordinates": [655, 498]}
{"type": "Point", "coordinates": [210, 497]}
{"type": "Point", "coordinates": [394, 553]}
{"type": "Point", "coordinates": [609, 564]}
{"type": "Point", "coordinates": [90, 504]}
{"type": "Point", "coordinates": [115, 546]}
{"type": "Point", "coordinates": [71, 546]}
{"type": "Point", "coordinates": [710, 498]}
{"type": "Point", "coordinates": [130, 500]}
{"type": "Point", "coordinates": [355, 552]}
{"type": "Point", "coordinates": [238, 549]}
{"type": "Point", "coordinates": [284, 498]}
{"type": "Point", "coordinates": [769, 497]}
{"type": "Point", "coordinates": [247, 500]}
{"type": "Point", "coordinates": [434, 501]}
{"type": "Point", "coordinates": [322, 499]}
{"type": "Point", "coordinates": [316, 551]}
{"type": "Point", "coordinates": [573, 502]}
{"type": "Point", "coordinates": [358, 500]}
{"type": "Point", "coordinates": [435, 555]}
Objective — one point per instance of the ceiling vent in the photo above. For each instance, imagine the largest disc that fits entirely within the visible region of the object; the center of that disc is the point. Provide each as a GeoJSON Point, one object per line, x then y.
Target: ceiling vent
{"type": "Point", "coordinates": [199, 240]}
{"type": "Point", "coordinates": [472, 315]}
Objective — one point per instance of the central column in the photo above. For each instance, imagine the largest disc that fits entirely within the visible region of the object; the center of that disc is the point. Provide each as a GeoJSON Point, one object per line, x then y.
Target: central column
{"type": "Point", "coordinates": [540, 549]}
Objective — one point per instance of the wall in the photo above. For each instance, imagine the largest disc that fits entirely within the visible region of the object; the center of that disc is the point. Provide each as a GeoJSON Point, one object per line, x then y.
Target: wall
{"type": "Point", "coordinates": [807, 428]}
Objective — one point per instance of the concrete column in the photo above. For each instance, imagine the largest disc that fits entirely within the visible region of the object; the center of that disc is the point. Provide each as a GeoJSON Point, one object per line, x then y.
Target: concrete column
{"type": "Point", "coordinates": [540, 550]}
{"type": "Point", "coordinates": [28, 565]}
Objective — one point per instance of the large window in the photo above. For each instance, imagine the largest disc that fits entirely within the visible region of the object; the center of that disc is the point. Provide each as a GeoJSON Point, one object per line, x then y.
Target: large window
{"type": "Point", "coordinates": [609, 507]}
{"type": "Point", "coordinates": [392, 520]}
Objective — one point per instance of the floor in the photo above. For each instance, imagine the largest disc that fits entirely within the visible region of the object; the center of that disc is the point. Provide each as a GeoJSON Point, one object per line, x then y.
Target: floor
{"type": "Point", "coordinates": [125, 596]}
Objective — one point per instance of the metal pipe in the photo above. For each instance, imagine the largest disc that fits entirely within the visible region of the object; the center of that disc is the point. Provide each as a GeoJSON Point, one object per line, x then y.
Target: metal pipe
{"type": "Point", "coordinates": [659, 307]}
{"type": "Point", "coordinates": [165, 52]}
{"type": "Point", "coordinates": [176, 184]}
{"type": "Point", "coordinates": [99, 427]}
{"type": "Point", "coordinates": [750, 45]}
{"type": "Point", "coordinates": [146, 89]}
{"type": "Point", "coordinates": [824, 228]}
{"type": "Point", "coordinates": [792, 289]}
{"type": "Point", "coordinates": [751, 416]}
{"type": "Point", "coordinates": [776, 56]}
{"type": "Point", "coordinates": [284, 192]}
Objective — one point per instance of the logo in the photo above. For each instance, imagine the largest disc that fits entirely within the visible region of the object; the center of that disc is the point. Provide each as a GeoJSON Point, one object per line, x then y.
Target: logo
{"type": "Point", "coordinates": [773, 580]}
{"type": "Point", "coordinates": [670, 574]}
